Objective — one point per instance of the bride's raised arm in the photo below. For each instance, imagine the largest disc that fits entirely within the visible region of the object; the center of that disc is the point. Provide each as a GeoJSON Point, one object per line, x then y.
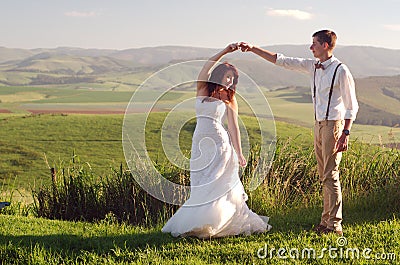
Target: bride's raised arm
{"type": "Point", "coordinates": [205, 72]}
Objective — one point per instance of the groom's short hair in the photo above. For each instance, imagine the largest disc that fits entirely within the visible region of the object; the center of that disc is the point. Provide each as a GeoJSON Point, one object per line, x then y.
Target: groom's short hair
{"type": "Point", "coordinates": [327, 36]}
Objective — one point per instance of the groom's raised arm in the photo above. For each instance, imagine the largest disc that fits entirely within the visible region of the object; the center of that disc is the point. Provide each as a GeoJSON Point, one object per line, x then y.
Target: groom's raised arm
{"type": "Point", "coordinates": [267, 55]}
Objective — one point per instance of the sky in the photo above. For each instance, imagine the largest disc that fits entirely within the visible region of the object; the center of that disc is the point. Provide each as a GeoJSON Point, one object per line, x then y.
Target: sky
{"type": "Point", "coordinates": [125, 24]}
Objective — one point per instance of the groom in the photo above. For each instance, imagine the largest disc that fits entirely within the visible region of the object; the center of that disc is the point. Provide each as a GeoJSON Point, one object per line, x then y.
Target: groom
{"type": "Point", "coordinates": [335, 108]}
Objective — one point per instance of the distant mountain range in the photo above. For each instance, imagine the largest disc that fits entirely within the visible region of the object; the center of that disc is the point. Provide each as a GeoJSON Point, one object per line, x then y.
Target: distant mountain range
{"type": "Point", "coordinates": [376, 70]}
{"type": "Point", "coordinates": [74, 65]}
{"type": "Point", "coordinates": [362, 60]}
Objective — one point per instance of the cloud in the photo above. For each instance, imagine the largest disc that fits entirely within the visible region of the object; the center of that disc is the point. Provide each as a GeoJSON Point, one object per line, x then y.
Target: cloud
{"type": "Point", "coordinates": [80, 14]}
{"type": "Point", "coordinates": [297, 14]}
{"type": "Point", "coordinates": [393, 27]}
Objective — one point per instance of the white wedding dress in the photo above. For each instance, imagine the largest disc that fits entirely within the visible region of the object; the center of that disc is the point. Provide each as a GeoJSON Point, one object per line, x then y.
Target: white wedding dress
{"type": "Point", "coordinates": [217, 203]}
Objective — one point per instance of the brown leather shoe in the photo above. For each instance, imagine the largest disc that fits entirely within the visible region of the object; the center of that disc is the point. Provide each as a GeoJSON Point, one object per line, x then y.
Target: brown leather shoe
{"type": "Point", "coordinates": [329, 231]}
{"type": "Point", "coordinates": [318, 228]}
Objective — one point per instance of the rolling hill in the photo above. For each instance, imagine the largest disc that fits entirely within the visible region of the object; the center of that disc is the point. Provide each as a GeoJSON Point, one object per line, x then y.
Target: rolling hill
{"type": "Point", "coordinates": [363, 61]}
{"type": "Point", "coordinates": [377, 72]}
{"type": "Point", "coordinates": [377, 106]}
{"type": "Point", "coordinates": [70, 65]}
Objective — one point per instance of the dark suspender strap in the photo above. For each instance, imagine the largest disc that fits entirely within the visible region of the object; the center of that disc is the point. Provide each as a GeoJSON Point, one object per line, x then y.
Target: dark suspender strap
{"type": "Point", "coordinates": [331, 91]}
{"type": "Point", "coordinates": [315, 103]}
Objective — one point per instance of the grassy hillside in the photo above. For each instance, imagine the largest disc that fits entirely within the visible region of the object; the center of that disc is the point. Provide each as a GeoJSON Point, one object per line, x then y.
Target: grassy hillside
{"type": "Point", "coordinates": [381, 93]}
{"type": "Point", "coordinates": [381, 61]}
{"type": "Point", "coordinates": [47, 63]}
{"type": "Point", "coordinates": [10, 54]}
{"type": "Point", "coordinates": [27, 240]}
{"type": "Point", "coordinates": [288, 92]}
{"type": "Point", "coordinates": [26, 141]}
{"type": "Point", "coordinates": [376, 97]}
{"type": "Point", "coordinates": [289, 104]}
{"type": "Point", "coordinates": [84, 71]}
{"type": "Point", "coordinates": [74, 62]}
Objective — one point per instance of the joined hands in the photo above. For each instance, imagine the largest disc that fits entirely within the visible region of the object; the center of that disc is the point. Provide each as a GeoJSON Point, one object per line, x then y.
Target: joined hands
{"type": "Point", "coordinates": [243, 46]}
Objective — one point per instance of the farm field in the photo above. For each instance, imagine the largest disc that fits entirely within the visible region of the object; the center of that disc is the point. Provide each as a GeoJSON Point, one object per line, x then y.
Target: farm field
{"type": "Point", "coordinates": [286, 104]}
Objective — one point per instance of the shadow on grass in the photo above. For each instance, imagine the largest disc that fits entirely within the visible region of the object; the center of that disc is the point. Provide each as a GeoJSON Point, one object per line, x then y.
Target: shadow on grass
{"type": "Point", "coordinates": [68, 244]}
{"type": "Point", "coordinates": [377, 206]}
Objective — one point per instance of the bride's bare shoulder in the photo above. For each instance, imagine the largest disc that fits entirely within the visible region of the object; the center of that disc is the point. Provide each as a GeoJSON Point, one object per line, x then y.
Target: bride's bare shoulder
{"type": "Point", "coordinates": [202, 91]}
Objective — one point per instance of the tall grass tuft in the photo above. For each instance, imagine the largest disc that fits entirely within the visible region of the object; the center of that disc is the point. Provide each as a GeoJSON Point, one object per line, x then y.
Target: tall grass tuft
{"type": "Point", "coordinates": [369, 176]}
{"type": "Point", "coordinates": [16, 198]}
{"type": "Point", "coordinates": [76, 194]}
{"type": "Point", "coordinates": [291, 180]}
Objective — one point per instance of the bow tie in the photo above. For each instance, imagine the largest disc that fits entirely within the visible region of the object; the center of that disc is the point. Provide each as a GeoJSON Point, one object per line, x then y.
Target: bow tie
{"type": "Point", "coordinates": [319, 65]}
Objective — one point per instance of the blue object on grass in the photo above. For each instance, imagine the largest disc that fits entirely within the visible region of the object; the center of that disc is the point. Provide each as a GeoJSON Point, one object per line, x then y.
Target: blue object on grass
{"type": "Point", "coordinates": [4, 204]}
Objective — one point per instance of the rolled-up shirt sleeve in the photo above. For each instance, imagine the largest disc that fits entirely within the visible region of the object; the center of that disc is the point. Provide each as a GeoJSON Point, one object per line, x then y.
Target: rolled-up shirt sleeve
{"type": "Point", "coordinates": [348, 93]}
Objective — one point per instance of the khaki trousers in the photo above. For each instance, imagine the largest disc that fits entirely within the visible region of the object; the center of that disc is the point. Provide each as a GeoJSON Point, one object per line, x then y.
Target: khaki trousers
{"type": "Point", "coordinates": [326, 134]}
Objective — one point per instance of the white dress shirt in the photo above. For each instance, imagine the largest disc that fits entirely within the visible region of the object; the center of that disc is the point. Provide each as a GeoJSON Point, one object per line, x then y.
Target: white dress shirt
{"type": "Point", "coordinates": [344, 103]}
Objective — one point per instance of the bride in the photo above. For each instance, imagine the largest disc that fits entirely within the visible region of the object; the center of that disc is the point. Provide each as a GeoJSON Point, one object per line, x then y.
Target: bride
{"type": "Point", "coordinates": [217, 203]}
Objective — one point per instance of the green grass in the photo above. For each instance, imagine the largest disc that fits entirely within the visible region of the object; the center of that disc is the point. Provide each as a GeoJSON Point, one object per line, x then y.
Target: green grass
{"type": "Point", "coordinates": [374, 93]}
{"type": "Point", "coordinates": [27, 240]}
{"type": "Point", "coordinates": [27, 141]}
{"type": "Point", "coordinates": [20, 78]}
{"type": "Point", "coordinates": [80, 93]}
